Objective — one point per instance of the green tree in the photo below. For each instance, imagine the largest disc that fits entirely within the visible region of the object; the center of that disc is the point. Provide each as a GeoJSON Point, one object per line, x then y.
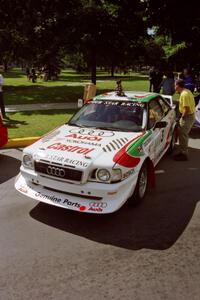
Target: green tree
{"type": "Point", "coordinates": [178, 21]}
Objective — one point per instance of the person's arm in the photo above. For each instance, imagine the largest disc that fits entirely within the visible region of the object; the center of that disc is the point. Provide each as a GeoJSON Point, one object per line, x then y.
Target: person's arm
{"type": "Point", "coordinates": [186, 111]}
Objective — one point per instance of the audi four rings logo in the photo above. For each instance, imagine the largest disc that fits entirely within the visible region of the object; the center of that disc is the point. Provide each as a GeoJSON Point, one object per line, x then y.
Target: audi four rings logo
{"type": "Point", "coordinates": [98, 204]}
{"type": "Point", "coordinates": [92, 132]}
{"type": "Point", "coordinates": [54, 171]}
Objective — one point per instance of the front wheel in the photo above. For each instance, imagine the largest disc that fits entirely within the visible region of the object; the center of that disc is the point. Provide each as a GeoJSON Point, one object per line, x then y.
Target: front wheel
{"type": "Point", "coordinates": [141, 187]}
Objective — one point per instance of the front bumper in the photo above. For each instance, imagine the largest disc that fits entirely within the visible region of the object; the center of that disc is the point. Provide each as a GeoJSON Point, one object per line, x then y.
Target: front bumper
{"type": "Point", "coordinates": [113, 196]}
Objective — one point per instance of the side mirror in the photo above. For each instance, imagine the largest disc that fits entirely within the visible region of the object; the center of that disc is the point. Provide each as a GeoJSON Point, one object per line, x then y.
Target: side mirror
{"type": "Point", "coordinates": [161, 124]}
{"type": "Point", "coordinates": [80, 103]}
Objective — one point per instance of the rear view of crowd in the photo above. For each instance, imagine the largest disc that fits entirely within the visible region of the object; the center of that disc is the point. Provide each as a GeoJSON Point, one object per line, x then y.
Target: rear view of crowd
{"type": "Point", "coordinates": [165, 81]}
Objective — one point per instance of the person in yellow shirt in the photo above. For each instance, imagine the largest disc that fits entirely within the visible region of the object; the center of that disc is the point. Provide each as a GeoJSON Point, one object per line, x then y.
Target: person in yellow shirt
{"type": "Point", "coordinates": [187, 111]}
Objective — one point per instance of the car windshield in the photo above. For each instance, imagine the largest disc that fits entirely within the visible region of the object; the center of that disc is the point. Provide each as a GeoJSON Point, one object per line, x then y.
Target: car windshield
{"type": "Point", "coordinates": [111, 115]}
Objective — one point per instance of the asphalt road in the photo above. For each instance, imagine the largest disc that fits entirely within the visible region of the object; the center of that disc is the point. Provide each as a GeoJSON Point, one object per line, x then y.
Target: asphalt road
{"type": "Point", "coordinates": [148, 252]}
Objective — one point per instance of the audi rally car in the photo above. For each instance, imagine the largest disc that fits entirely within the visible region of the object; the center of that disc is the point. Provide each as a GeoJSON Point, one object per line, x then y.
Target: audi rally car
{"type": "Point", "coordinates": [3, 134]}
{"type": "Point", "coordinates": [197, 114]}
{"type": "Point", "coordinates": [105, 155]}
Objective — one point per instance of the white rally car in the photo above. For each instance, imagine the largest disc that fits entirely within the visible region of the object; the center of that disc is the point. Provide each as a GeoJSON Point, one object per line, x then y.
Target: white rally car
{"type": "Point", "coordinates": [105, 155]}
{"type": "Point", "coordinates": [197, 114]}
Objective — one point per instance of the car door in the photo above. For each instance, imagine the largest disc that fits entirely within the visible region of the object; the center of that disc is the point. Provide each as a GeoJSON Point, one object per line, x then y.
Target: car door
{"type": "Point", "coordinates": [158, 139]}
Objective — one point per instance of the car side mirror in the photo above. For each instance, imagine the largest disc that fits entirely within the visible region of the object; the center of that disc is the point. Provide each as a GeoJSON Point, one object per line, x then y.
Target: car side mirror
{"type": "Point", "coordinates": [160, 124]}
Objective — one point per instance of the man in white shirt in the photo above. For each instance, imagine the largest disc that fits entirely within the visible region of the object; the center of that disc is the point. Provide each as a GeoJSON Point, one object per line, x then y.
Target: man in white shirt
{"type": "Point", "coordinates": [2, 105]}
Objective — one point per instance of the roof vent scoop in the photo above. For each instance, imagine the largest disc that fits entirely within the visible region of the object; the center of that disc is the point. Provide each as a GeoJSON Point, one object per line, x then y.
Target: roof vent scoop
{"type": "Point", "coordinates": [119, 89]}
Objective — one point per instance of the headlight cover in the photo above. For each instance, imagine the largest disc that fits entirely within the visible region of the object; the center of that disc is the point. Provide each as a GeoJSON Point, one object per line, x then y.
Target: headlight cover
{"type": "Point", "coordinates": [103, 175]}
{"type": "Point", "coordinates": [116, 175]}
{"type": "Point", "coordinates": [27, 161]}
{"type": "Point", "coordinates": [106, 176]}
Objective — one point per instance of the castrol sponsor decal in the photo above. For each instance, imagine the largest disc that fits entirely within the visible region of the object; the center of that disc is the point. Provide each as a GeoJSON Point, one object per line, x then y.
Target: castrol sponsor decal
{"type": "Point", "coordinates": [69, 148]}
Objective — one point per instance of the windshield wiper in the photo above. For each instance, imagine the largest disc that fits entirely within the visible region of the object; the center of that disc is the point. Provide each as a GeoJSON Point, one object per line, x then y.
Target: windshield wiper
{"type": "Point", "coordinates": [118, 129]}
{"type": "Point", "coordinates": [108, 128]}
{"type": "Point", "coordinates": [74, 124]}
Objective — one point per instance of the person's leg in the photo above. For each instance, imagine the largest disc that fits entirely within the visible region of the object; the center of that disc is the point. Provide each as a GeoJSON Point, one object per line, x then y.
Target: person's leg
{"type": "Point", "coordinates": [184, 129]}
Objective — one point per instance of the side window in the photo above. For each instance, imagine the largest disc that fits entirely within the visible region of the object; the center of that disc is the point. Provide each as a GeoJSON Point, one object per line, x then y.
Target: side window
{"type": "Point", "coordinates": [164, 105]}
{"type": "Point", "coordinates": [155, 112]}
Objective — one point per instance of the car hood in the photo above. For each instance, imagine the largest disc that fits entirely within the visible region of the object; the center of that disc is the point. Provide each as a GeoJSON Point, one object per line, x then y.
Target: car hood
{"type": "Point", "coordinates": [80, 147]}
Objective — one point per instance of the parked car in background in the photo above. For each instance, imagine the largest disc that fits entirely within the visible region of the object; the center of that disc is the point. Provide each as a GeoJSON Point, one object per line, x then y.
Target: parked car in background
{"type": "Point", "coordinates": [104, 156]}
{"type": "Point", "coordinates": [197, 114]}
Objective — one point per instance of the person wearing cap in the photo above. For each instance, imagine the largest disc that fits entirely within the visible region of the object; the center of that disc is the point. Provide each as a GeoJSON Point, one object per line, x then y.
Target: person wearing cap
{"type": "Point", "coordinates": [187, 111]}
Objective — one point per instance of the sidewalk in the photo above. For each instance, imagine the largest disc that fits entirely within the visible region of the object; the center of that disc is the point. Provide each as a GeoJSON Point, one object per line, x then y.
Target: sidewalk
{"type": "Point", "coordinates": [40, 106]}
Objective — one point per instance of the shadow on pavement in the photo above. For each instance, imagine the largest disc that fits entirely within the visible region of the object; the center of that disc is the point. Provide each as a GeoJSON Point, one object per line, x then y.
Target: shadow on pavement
{"type": "Point", "coordinates": [156, 224]}
{"type": "Point", "coordinates": [11, 123]}
{"type": "Point", "coordinates": [195, 133]}
{"type": "Point", "coordinates": [9, 167]}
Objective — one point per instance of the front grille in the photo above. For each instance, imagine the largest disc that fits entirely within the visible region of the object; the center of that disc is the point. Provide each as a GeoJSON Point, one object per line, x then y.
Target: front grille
{"type": "Point", "coordinates": [58, 171]}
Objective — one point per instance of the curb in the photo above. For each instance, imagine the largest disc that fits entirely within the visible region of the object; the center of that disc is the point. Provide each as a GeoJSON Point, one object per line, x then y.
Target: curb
{"type": "Point", "coordinates": [21, 142]}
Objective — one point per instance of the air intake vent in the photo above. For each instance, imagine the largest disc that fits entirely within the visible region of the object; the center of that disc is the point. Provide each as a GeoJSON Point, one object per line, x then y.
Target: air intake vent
{"type": "Point", "coordinates": [115, 145]}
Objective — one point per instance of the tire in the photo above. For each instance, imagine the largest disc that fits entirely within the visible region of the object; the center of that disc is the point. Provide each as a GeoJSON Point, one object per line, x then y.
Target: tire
{"type": "Point", "coordinates": [141, 187]}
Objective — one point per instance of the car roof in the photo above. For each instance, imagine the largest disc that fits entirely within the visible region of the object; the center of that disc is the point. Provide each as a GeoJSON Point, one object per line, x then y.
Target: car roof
{"type": "Point", "coordinates": [128, 96]}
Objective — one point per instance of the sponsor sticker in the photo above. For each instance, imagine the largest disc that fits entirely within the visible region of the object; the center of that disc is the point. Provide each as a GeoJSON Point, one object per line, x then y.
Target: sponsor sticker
{"type": "Point", "coordinates": [60, 201]}
{"type": "Point", "coordinates": [69, 148]}
{"type": "Point", "coordinates": [97, 206]}
{"type": "Point", "coordinates": [67, 161]}
{"type": "Point", "coordinates": [23, 189]}
{"type": "Point", "coordinates": [85, 142]}
{"type": "Point", "coordinates": [84, 137]}
{"type": "Point", "coordinates": [55, 158]}
{"type": "Point", "coordinates": [127, 174]}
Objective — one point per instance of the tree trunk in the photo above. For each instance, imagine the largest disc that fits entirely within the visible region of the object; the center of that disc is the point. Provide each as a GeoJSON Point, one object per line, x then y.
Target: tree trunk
{"type": "Point", "coordinates": [5, 64]}
{"type": "Point", "coordinates": [112, 71]}
{"type": "Point", "coordinates": [93, 66]}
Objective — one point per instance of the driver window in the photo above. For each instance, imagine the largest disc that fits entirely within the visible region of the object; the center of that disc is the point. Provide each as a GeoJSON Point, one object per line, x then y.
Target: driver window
{"type": "Point", "coordinates": [155, 113]}
{"type": "Point", "coordinates": [165, 106]}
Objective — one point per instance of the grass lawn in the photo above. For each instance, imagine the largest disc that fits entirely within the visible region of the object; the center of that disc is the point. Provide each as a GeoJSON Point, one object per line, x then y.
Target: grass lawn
{"type": "Point", "coordinates": [35, 123]}
{"type": "Point", "coordinates": [69, 87]}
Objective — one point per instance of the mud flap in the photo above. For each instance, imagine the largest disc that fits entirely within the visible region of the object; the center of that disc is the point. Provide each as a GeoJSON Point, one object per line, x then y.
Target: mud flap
{"type": "Point", "coordinates": [151, 174]}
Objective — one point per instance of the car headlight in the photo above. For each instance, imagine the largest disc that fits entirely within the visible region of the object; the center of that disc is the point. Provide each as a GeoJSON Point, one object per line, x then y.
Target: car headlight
{"type": "Point", "coordinates": [103, 175]}
{"type": "Point", "coordinates": [27, 161]}
{"type": "Point", "coordinates": [116, 175]}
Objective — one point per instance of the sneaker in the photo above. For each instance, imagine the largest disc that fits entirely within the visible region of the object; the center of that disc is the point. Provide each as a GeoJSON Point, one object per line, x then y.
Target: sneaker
{"type": "Point", "coordinates": [180, 157]}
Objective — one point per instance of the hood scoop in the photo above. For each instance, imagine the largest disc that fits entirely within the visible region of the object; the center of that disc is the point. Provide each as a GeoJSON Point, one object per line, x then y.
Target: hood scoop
{"type": "Point", "coordinates": [115, 144]}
